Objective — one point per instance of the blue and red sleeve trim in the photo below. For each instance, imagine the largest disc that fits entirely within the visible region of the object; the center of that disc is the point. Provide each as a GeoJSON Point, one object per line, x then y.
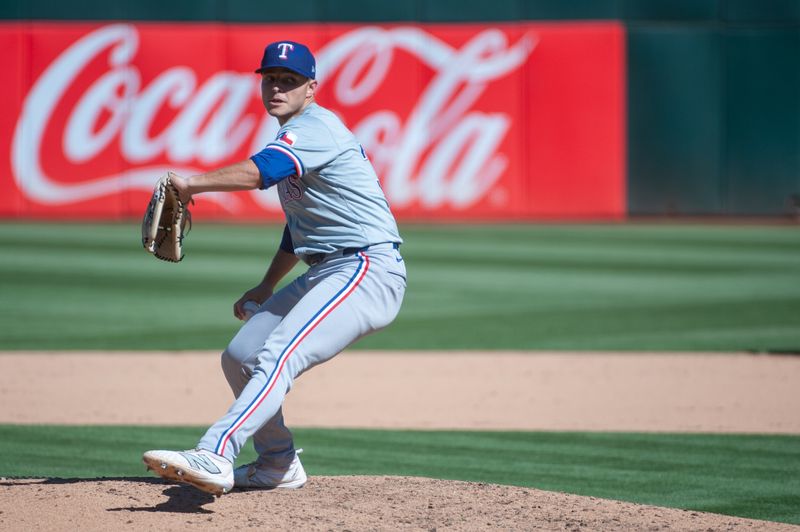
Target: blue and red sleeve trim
{"type": "Point", "coordinates": [276, 162]}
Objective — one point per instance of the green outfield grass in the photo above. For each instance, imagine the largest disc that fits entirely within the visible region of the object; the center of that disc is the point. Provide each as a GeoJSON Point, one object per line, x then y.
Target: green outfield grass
{"type": "Point", "coordinates": [560, 287]}
{"type": "Point", "coordinates": [744, 475]}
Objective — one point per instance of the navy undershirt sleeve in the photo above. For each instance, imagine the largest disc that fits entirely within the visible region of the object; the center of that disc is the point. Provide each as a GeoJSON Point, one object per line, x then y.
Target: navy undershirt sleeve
{"type": "Point", "coordinates": [274, 165]}
{"type": "Point", "coordinates": [286, 241]}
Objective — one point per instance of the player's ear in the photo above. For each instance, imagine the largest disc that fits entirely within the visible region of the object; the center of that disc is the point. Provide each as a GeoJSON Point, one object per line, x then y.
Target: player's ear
{"type": "Point", "coordinates": [311, 89]}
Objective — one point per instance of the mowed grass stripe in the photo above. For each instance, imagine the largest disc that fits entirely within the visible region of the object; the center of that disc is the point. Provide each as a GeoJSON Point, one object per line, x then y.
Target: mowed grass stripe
{"type": "Point", "coordinates": [483, 287]}
{"type": "Point", "coordinates": [756, 476]}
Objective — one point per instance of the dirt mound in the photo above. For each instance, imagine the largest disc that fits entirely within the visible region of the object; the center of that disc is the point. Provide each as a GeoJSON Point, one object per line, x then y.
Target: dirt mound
{"type": "Point", "coordinates": [339, 503]}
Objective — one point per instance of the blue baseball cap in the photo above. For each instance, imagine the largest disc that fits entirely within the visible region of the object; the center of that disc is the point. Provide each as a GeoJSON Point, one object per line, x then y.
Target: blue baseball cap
{"type": "Point", "coordinates": [290, 55]}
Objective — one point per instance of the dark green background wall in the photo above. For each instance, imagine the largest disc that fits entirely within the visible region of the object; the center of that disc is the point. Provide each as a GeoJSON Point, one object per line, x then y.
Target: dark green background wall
{"type": "Point", "coordinates": [713, 87]}
{"type": "Point", "coordinates": [714, 107]}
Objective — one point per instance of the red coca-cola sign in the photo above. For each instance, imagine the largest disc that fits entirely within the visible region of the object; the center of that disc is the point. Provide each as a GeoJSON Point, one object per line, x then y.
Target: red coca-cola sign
{"type": "Point", "coordinates": [501, 122]}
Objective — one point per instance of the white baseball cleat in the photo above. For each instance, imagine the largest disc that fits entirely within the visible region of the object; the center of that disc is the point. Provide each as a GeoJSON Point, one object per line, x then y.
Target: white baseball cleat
{"type": "Point", "coordinates": [266, 476]}
{"type": "Point", "coordinates": [203, 469]}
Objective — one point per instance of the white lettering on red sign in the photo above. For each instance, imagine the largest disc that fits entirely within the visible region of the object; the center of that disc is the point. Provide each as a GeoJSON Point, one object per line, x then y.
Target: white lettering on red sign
{"type": "Point", "coordinates": [444, 153]}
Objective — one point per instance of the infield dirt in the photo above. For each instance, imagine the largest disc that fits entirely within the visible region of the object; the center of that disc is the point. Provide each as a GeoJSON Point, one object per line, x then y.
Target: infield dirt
{"type": "Point", "coordinates": [543, 391]}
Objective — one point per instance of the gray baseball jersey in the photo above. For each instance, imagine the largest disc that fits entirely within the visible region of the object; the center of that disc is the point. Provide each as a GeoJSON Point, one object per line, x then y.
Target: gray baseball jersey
{"type": "Point", "coordinates": [327, 187]}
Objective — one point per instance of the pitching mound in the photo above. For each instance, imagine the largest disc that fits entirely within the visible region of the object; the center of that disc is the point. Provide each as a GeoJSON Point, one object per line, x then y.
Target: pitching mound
{"type": "Point", "coordinates": [326, 503]}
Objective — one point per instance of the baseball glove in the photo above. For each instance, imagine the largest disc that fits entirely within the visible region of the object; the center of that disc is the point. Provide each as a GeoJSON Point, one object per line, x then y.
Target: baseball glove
{"type": "Point", "coordinates": [166, 222]}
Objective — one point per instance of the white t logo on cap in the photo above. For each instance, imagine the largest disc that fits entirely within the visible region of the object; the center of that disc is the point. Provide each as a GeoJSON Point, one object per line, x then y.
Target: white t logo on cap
{"type": "Point", "coordinates": [284, 46]}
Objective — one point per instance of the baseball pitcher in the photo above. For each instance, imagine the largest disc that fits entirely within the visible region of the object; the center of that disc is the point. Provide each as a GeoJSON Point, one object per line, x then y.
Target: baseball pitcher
{"type": "Point", "coordinates": [339, 223]}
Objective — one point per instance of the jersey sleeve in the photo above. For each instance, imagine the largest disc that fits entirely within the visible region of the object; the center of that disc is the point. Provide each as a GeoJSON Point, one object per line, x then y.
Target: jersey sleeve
{"type": "Point", "coordinates": [276, 162]}
{"type": "Point", "coordinates": [310, 141]}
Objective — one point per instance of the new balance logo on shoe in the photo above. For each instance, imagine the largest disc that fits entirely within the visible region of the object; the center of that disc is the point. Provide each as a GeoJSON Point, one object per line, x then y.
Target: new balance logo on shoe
{"type": "Point", "coordinates": [200, 468]}
{"type": "Point", "coordinates": [197, 461]}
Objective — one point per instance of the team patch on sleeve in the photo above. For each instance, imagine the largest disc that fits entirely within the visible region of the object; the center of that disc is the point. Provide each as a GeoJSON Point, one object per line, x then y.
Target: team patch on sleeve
{"type": "Point", "coordinates": [287, 137]}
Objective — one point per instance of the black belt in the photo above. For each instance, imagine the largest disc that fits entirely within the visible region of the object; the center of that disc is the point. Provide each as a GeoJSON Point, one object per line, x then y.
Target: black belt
{"type": "Point", "coordinates": [315, 258]}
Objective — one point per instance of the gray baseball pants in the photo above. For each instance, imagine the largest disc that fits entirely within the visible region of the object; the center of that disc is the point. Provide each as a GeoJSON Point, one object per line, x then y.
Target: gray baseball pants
{"type": "Point", "coordinates": [333, 304]}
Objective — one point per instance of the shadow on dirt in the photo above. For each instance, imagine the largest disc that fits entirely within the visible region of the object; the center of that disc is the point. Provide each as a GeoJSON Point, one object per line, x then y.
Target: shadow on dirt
{"type": "Point", "coordinates": [181, 498]}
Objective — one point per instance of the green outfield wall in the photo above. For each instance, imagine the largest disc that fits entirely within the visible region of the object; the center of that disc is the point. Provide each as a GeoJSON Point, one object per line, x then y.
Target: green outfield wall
{"type": "Point", "coordinates": [714, 108]}
{"type": "Point", "coordinates": [713, 86]}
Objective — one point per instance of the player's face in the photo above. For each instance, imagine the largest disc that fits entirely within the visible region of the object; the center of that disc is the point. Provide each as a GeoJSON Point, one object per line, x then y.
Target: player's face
{"type": "Point", "coordinates": [285, 94]}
